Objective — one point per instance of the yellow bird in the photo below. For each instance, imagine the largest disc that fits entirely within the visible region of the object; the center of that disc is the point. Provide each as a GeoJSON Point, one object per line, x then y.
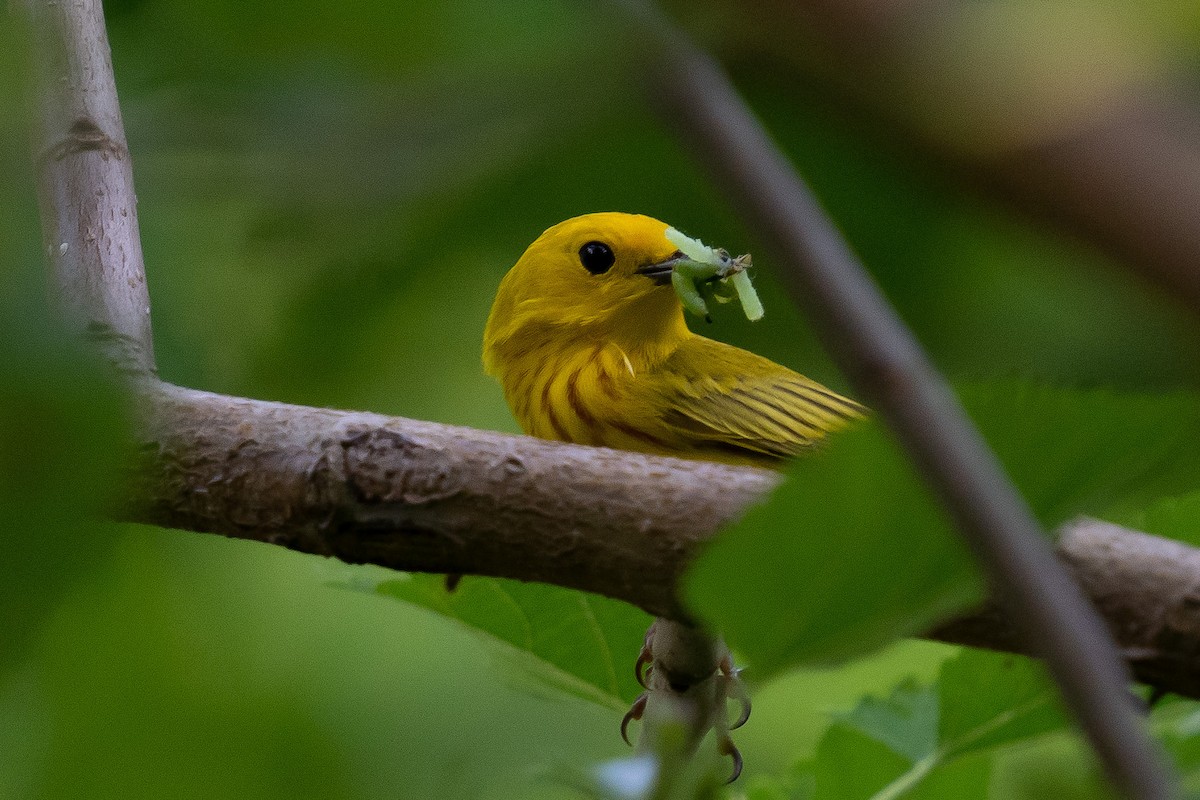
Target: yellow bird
{"type": "Point", "coordinates": [588, 340]}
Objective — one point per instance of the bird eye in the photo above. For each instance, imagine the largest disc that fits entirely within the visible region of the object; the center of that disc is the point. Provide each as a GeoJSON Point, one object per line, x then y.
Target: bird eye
{"type": "Point", "coordinates": [596, 257]}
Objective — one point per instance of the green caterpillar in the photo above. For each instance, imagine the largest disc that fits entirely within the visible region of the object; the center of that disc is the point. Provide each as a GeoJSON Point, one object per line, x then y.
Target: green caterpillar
{"type": "Point", "coordinates": [705, 270]}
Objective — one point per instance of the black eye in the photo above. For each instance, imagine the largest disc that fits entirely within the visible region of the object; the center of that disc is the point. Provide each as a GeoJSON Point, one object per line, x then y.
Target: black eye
{"type": "Point", "coordinates": [596, 257]}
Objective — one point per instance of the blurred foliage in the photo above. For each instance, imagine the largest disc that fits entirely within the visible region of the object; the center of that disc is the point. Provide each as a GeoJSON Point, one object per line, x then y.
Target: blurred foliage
{"type": "Point", "coordinates": [1173, 517]}
{"type": "Point", "coordinates": [328, 198]}
{"type": "Point", "coordinates": [927, 741]}
{"type": "Point", "coordinates": [852, 514]}
{"type": "Point", "coordinates": [800, 565]}
{"type": "Point", "coordinates": [62, 438]}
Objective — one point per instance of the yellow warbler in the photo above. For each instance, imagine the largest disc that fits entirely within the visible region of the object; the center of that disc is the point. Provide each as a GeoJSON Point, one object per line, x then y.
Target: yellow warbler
{"type": "Point", "coordinates": [587, 337]}
{"type": "Point", "coordinates": [588, 340]}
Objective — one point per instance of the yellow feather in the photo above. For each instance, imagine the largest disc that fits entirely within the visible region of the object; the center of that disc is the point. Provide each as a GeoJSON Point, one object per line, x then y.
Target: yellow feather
{"type": "Point", "coordinates": [604, 357]}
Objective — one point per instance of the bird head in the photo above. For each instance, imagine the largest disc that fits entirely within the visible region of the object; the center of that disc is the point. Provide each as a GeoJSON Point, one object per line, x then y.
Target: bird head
{"type": "Point", "coordinates": [606, 276]}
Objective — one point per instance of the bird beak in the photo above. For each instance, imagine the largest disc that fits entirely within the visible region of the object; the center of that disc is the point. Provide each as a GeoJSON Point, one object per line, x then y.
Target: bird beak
{"type": "Point", "coordinates": [660, 273]}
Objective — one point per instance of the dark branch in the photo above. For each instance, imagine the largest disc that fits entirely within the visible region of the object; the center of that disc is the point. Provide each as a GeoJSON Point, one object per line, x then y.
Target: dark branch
{"type": "Point", "coordinates": [887, 365]}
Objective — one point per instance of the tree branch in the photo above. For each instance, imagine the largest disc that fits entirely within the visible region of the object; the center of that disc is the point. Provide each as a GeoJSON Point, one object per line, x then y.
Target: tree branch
{"type": "Point", "coordinates": [435, 498]}
{"type": "Point", "coordinates": [1146, 588]}
{"type": "Point", "coordinates": [886, 364]}
{"type": "Point", "coordinates": [85, 181]}
{"type": "Point", "coordinates": [420, 496]}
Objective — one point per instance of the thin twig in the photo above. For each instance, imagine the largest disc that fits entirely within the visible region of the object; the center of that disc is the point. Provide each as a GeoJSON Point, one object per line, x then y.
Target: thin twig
{"type": "Point", "coordinates": [886, 364]}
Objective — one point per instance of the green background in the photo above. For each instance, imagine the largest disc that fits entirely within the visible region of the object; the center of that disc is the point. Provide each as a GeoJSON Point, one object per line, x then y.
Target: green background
{"type": "Point", "coordinates": [328, 197]}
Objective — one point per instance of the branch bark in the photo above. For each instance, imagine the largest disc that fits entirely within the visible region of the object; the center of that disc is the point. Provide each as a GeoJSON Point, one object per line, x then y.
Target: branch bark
{"type": "Point", "coordinates": [1146, 588]}
{"type": "Point", "coordinates": [85, 181]}
{"type": "Point", "coordinates": [420, 496]}
{"type": "Point", "coordinates": [435, 498]}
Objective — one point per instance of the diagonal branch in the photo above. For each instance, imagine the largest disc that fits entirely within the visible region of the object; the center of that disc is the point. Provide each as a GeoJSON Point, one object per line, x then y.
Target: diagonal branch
{"type": "Point", "coordinates": [887, 365]}
{"type": "Point", "coordinates": [421, 496]}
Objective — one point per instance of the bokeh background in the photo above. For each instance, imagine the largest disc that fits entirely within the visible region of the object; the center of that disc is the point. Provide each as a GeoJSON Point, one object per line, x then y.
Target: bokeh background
{"type": "Point", "coordinates": [329, 195]}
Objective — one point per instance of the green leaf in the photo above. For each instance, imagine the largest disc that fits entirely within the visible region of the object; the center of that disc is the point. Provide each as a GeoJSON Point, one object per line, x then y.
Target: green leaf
{"type": "Point", "coordinates": [813, 574]}
{"type": "Point", "coordinates": [851, 552]}
{"type": "Point", "coordinates": [907, 721]}
{"type": "Point", "coordinates": [761, 787]}
{"type": "Point", "coordinates": [933, 741]}
{"type": "Point", "coordinates": [991, 699]}
{"type": "Point", "coordinates": [1095, 452]}
{"type": "Point", "coordinates": [850, 764]}
{"type": "Point", "coordinates": [1181, 737]}
{"type": "Point", "coordinates": [962, 778]}
{"type": "Point", "coordinates": [580, 643]}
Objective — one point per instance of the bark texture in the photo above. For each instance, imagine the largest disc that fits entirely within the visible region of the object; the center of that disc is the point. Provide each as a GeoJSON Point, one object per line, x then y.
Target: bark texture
{"type": "Point", "coordinates": [420, 496]}
{"type": "Point", "coordinates": [1146, 588]}
{"type": "Point", "coordinates": [85, 181]}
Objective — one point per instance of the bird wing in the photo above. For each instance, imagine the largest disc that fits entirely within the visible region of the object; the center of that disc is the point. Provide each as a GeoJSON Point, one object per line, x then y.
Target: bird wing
{"type": "Point", "coordinates": [727, 400]}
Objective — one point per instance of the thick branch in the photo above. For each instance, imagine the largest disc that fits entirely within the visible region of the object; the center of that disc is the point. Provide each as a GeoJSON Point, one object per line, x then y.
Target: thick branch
{"type": "Point", "coordinates": [1147, 589]}
{"type": "Point", "coordinates": [426, 497]}
{"type": "Point", "coordinates": [422, 496]}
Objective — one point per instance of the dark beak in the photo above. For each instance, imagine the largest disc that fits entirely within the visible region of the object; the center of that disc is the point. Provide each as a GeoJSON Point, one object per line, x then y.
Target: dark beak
{"type": "Point", "coordinates": [660, 273]}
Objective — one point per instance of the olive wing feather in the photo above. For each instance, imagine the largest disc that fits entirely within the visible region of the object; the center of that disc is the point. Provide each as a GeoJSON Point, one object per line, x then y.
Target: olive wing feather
{"type": "Point", "coordinates": [722, 397]}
